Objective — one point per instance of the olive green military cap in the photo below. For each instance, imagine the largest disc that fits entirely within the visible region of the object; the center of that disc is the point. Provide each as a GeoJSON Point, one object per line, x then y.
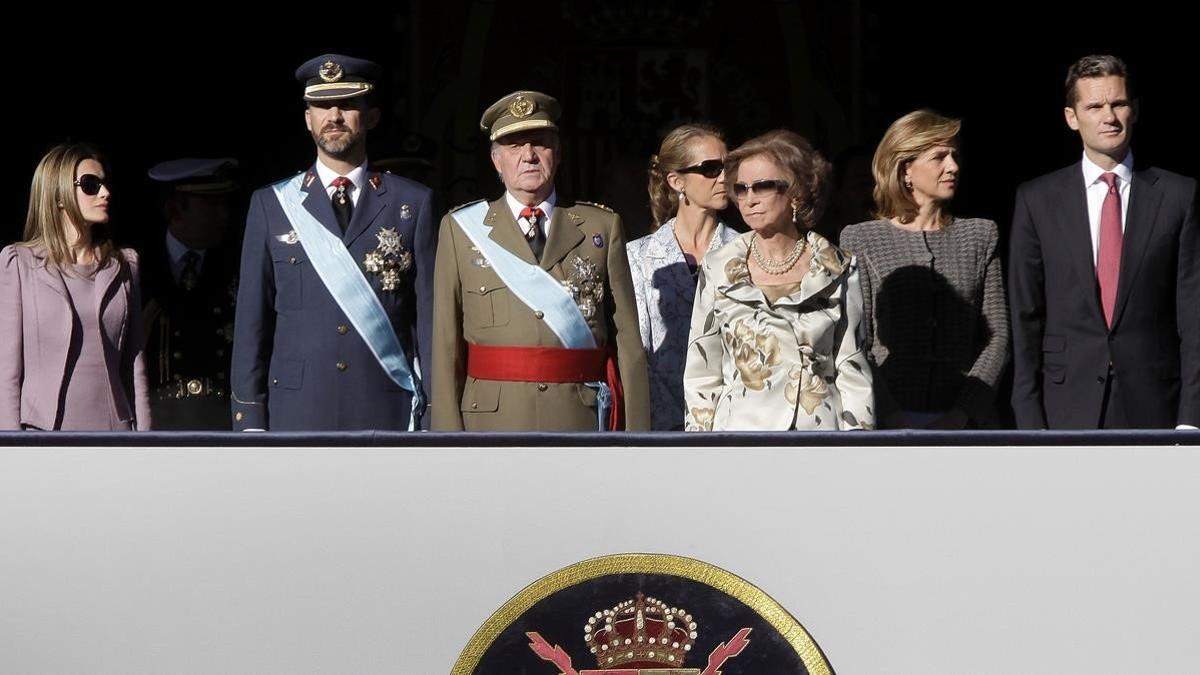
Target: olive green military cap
{"type": "Point", "coordinates": [519, 111]}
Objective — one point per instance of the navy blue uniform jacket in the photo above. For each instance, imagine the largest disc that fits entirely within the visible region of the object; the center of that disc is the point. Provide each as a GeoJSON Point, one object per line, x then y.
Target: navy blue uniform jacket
{"type": "Point", "coordinates": [298, 362]}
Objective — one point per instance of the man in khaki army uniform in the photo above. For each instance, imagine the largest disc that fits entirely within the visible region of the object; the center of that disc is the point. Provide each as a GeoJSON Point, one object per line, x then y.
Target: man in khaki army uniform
{"type": "Point", "coordinates": [535, 326]}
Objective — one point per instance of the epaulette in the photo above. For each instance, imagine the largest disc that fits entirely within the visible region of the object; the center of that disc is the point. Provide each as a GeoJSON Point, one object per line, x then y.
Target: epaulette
{"type": "Point", "coordinates": [463, 206]}
{"type": "Point", "coordinates": [599, 206]}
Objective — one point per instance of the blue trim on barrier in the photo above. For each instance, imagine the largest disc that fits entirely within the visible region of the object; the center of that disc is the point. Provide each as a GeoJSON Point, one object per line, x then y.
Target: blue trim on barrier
{"type": "Point", "coordinates": [400, 439]}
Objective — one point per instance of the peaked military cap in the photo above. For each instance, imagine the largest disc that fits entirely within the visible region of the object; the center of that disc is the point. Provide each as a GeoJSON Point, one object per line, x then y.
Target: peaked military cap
{"type": "Point", "coordinates": [519, 111]}
{"type": "Point", "coordinates": [330, 77]}
{"type": "Point", "coordinates": [206, 176]}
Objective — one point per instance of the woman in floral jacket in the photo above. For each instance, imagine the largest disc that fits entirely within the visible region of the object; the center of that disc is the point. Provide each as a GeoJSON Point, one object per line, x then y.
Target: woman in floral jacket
{"type": "Point", "coordinates": [776, 340]}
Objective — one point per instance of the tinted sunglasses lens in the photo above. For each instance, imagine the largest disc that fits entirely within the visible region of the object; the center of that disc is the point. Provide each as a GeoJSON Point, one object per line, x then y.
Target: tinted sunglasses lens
{"type": "Point", "coordinates": [766, 187]}
{"type": "Point", "coordinates": [740, 189]}
{"type": "Point", "coordinates": [710, 168]}
{"type": "Point", "coordinates": [90, 184]}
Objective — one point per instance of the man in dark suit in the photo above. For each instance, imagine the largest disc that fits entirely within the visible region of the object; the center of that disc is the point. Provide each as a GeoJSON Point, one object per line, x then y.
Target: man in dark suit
{"type": "Point", "coordinates": [189, 283]}
{"type": "Point", "coordinates": [1104, 277]}
{"type": "Point", "coordinates": [336, 278]}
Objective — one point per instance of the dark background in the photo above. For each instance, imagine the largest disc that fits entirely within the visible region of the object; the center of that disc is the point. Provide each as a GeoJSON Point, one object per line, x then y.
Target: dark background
{"type": "Point", "coordinates": [214, 80]}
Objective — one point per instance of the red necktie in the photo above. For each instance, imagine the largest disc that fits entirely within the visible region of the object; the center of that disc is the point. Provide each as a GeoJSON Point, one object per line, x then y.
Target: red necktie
{"type": "Point", "coordinates": [1108, 261]}
{"type": "Point", "coordinates": [532, 214]}
{"type": "Point", "coordinates": [343, 208]}
{"type": "Point", "coordinates": [535, 236]}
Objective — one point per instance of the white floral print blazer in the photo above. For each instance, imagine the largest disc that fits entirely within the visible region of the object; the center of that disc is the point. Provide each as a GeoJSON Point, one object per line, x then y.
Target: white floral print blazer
{"type": "Point", "coordinates": [797, 364]}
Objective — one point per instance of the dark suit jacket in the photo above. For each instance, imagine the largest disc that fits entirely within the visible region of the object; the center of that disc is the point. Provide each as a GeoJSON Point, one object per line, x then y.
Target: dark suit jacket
{"type": "Point", "coordinates": [36, 339]}
{"type": "Point", "coordinates": [298, 362]}
{"type": "Point", "coordinates": [1062, 346]}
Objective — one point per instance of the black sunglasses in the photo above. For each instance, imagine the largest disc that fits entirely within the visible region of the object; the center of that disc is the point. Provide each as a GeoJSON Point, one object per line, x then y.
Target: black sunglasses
{"type": "Point", "coordinates": [90, 183]}
{"type": "Point", "coordinates": [759, 187]}
{"type": "Point", "coordinates": [709, 168]}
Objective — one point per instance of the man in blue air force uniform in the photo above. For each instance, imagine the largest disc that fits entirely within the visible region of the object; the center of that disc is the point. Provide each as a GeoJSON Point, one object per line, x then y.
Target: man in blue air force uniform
{"type": "Point", "coordinates": [337, 268]}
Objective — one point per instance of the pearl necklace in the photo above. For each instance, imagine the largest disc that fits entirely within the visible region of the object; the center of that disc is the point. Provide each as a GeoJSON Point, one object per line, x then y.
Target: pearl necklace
{"type": "Point", "coordinates": [777, 267]}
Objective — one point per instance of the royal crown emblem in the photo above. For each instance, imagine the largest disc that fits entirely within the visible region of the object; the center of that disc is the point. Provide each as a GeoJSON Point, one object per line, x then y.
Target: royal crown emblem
{"type": "Point", "coordinates": [640, 636]}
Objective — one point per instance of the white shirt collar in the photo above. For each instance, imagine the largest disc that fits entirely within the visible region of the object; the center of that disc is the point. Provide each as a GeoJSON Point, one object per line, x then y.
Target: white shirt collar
{"type": "Point", "coordinates": [547, 208]}
{"type": "Point", "coordinates": [357, 176]}
{"type": "Point", "coordinates": [1092, 171]}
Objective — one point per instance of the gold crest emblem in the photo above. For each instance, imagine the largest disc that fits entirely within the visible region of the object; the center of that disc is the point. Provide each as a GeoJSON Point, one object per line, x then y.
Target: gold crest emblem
{"type": "Point", "coordinates": [521, 107]}
{"type": "Point", "coordinates": [330, 71]}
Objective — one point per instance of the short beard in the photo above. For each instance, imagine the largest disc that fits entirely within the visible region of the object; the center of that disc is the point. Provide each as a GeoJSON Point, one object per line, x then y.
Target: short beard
{"type": "Point", "coordinates": [342, 148]}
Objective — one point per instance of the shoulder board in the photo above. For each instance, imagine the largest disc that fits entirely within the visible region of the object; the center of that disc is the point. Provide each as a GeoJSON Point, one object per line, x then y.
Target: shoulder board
{"type": "Point", "coordinates": [463, 206]}
{"type": "Point", "coordinates": [599, 206]}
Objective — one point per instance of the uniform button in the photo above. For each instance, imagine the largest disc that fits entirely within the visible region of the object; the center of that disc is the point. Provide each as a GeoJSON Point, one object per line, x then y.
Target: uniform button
{"type": "Point", "coordinates": [542, 386]}
{"type": "Point", "coordinates": [292, 260]}
{"type": "Point", "coordinates": [1100, 379]}
{"type": "Point", "coordinates": [474, 405]}
{"type": "Point", "coordinates": [343, 329]}
{"type": "Point", "coordinates": [342, 366]}
{"type": "Point", "coordinates": [238, 417]}
{"type": "Point", "coordinates": [539, 314]}
{"type": "Point", "coordinates": [275, 381]}
{"type": "Point", "coordinates": [483, 289]}
{"type": "Point", "coordinates": [177, 355]}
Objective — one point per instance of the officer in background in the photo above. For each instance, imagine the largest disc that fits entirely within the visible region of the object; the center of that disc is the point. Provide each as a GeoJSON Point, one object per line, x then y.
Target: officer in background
{"type": "Point", "coordinates": [189, 281]}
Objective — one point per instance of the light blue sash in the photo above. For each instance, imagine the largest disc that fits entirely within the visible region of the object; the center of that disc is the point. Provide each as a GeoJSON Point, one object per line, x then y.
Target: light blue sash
{"type": "Point", "coordinates": [531, 284]}
{"type": "Point", "coordinates": [350, 289]}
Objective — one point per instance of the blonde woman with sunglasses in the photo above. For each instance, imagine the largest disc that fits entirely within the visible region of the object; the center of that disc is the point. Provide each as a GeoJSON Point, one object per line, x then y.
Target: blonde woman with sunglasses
{"type": "Point", "coordinates": [776, 341]}
{"type": "Point", "coordinates": [687, 193]}
{"type": "Point", "coordinates": [71, 355]}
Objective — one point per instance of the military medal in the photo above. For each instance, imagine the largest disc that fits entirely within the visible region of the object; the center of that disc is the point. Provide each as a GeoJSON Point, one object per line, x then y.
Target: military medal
{"type": "Point", "coordinates": [479, 260]}
{"type": "Point", "coordinates": [389, 259]}
{"type": "Point", "coordinates": [405, 212]}
{"type": "Point", "coordinates": [585, 286]}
